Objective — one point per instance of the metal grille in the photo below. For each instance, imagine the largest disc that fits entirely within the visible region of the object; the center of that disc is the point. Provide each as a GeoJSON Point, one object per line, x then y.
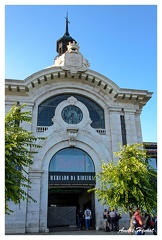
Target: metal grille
{"type": "Point", "coordinates": [61, 216]}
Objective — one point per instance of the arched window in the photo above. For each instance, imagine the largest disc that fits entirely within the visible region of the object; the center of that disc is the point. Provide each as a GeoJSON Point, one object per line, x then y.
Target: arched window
{"type": "Point", "coordinates": [71, 160]}
{"type": "Point", "coordinates": [46, 110]}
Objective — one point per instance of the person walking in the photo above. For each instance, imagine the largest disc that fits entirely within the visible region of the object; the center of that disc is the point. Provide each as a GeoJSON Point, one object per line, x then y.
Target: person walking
{"type": "Point", "coordinates": [87, 217]}
{"type": "Point", "coordinates": [112, 219]}
{"type": "Point", "coordinates": [80, 216]}
{"type": "Point", "coordinates": [117, 217]}
{"type": "Point", "coordinates": [105, 215]}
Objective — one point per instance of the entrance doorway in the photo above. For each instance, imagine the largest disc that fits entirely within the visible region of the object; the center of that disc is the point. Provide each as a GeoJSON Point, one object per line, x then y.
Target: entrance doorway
{"type": "Point", "coordinates": [71, 174]}
{"type": "Point", "coordinates": [63, 204]}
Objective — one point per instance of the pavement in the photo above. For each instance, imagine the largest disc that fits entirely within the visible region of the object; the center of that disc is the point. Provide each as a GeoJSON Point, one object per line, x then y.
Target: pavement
{"type": "Point", "coordinates": [68, 231]}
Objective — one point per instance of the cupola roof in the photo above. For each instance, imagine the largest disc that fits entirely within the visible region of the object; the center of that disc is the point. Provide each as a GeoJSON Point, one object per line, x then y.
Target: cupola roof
{"type": "Point", "coordinates": [61, 44]}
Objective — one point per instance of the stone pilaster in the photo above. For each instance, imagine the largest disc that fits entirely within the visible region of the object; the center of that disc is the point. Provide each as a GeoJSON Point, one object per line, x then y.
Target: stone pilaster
{"type": "Point", "coordinates": [25, 125]}
{"type": "Point", "coordinates": [138, 126]}
{"type": "Point", "coordinates": [130, 124]}
{"type": "Point", "coordinates": [33, 209]}
{"type": "Point", "coordinates": [115, 127]}
{"type": "Point", "coordinates": [98, 212]}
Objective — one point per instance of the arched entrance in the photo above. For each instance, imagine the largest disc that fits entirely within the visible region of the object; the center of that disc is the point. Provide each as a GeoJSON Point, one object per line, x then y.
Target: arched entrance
{"type": "Point", "coordinates": [71, 174]}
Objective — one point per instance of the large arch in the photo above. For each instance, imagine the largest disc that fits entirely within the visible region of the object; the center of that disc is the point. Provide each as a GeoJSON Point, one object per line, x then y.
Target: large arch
{"type": "Point", "coordinates": [50, 148]}
{"type": "Point", "coordinates": [47, 92]}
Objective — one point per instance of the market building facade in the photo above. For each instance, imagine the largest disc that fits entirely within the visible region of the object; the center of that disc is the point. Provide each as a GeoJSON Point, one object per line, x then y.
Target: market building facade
{"type": "Point", "coordinates": [84, 116]}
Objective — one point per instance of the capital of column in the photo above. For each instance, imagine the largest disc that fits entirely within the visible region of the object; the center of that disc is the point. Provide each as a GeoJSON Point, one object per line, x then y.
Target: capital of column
{"type": "Point", "coordinates": [35, 173]}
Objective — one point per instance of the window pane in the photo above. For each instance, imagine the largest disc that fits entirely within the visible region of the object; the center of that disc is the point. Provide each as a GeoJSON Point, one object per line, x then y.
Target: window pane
{"type": "Point", "coordinates": [71, 160]}
{"type": "Point", "coordinates": [152, 162]}
{"type": "Point", "coordinates": [46, 110]}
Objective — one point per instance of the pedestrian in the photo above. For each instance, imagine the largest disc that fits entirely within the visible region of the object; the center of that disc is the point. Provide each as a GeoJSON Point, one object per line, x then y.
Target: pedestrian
{"type": "Point", "coordinates": [132, 224]}
{"type": "Point", "coordinates": [108, 219]}
{"type": "Point", "coordinates": [87, 217]}
{"type": "Point", "coordinates": [155, 225]}
{"type": "Point", "coordinates": [105, 215]}
{"type": "Point", "coordinates": [139, 222]}
{"type": "Point", "coordinates": [112, 219]}
{"type": "Point", "coordinates": [148, 222]}
{"type": "Point", "coordinates": [117, 217]}
{"type": "Point", "coordinates": [80, 216]}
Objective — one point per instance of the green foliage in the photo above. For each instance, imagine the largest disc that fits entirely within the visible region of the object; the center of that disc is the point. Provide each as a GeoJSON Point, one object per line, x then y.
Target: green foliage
{"type": "Point", "coordinates": [18, 155]}
{"type": "Point", "coordinates": [128, 183]}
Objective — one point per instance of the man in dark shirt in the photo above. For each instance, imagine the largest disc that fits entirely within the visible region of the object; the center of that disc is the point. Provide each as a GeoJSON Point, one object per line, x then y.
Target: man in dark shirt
{"type": "Point", "coordinates": [80, 216]}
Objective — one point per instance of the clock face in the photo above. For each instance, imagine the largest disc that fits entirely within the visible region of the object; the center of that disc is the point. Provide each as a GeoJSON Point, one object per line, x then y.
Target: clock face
{"type": "Point", "coordinates": [72, 114]}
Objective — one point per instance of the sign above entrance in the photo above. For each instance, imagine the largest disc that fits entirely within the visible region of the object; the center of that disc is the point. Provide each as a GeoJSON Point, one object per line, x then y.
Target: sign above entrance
{"type": "Point", "coordinates": [72, 178]}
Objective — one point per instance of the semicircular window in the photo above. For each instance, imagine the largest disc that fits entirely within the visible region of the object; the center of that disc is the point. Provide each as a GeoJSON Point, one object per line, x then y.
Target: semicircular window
{"type": "Point", "coordinates": [71, 160]}
{"type": "Point", "coordinates": [46, 110]}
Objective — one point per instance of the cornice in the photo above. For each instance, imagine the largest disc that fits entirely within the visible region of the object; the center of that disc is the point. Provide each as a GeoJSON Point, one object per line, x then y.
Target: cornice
{"type": "Point", "coordinates": [53, 74]}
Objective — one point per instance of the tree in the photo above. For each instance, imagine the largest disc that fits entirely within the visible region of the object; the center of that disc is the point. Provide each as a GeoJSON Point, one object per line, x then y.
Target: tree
{"type": "Point", "coordinates": [129, 182]}
{"type": "Point", "coordinates": [18, 155]}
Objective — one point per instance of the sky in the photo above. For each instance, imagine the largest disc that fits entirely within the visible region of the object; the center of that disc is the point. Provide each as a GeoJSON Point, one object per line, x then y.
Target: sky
{"type": "Point", "coordinates": [119, 41]}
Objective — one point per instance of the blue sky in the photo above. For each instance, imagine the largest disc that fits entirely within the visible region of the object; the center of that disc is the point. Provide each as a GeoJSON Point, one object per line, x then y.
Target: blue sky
{"type": "Point", "coordinates": [119, 41]}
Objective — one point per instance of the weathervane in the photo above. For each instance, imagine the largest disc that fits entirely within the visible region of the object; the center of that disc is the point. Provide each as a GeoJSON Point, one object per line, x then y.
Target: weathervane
{"type": "Point", "coordinates": [67, 21]}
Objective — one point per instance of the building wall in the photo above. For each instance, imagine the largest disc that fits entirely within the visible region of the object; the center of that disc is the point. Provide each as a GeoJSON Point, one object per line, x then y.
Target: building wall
{"type": "Point", "coordinates": [32, 217]}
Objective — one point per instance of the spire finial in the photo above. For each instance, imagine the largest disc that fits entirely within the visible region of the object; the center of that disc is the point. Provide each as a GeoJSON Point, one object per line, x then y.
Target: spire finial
{"type": "Point", "coordinates": [66, 31]}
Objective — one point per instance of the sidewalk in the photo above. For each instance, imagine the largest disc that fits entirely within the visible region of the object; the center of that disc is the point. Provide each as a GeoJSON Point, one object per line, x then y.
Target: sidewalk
{"type": "Point", "coordinates": [82, 232]}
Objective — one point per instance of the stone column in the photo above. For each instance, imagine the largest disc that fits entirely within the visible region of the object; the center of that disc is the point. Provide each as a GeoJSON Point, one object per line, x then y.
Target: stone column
{"type": "Point", "coordinates": [33, 209]}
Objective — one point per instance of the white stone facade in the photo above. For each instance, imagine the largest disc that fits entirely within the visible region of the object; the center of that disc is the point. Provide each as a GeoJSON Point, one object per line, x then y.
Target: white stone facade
{"type": "Point", "coordinates": [98, 143]}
